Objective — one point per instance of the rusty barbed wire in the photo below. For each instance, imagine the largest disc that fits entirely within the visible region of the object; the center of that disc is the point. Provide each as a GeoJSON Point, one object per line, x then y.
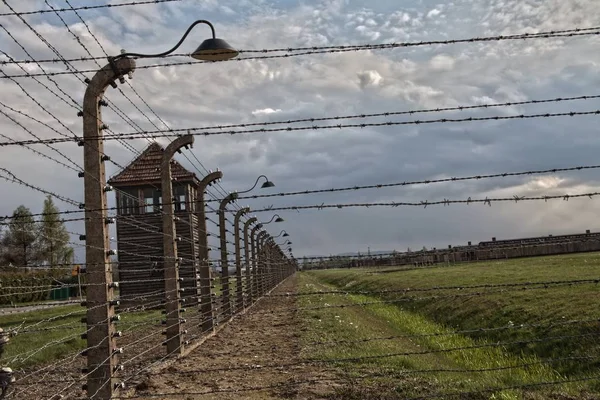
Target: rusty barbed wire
{"type": "Point", "coordinates": [119, 112]}
{"type": "Point", "coordinates": [382, 114]}
{"type": "Point", "coordinates": [426, 203]}
{"type": "Point", "coordinates": [363, 125]}
{"type": "Point", "coordinates": [13, 178]}
{"type": "Point", "coordinates": [167, 134]}
{"type": "Point", "coordinates": [421, 182]}
{"type": "Point", "coordinates": [350, 188]}
{"type": "Point", "coordinates": [115, 5]}
{"type": "Point", "coordinates": [380, 356]}
{"type": "Point", "coordinates": [69, 66]}
{"type": "Point", "coordinates": [67, 99]}
{"type": "Point", "coordinates": [74, 136]}
{"type": "Point", "coordinates": [310, 50]}
{"type": "Point", "coordinates": [76, 168]}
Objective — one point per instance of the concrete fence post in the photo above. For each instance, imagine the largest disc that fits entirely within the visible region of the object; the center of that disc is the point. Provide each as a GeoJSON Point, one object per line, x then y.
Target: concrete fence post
{"type": "Point", "coordinates": [262, 263]}
{"type": "Point", "coordinates": [100, 318]}
{"type": "Point", "coordinates": [249, 272]}
{"type": "Point", "coordinates": [207, 311]}
{"type": "Point", "coordinates": [226, 300]}
{"type": "Point", "coordinates": [174, 340]}
{"type": "Point", "coordinates": [239, 289]}
{"type": "Point", "coordinates": [255, 263]}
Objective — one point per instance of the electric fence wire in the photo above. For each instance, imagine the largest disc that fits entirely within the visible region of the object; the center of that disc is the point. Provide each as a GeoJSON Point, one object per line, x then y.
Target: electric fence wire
{"type": "Point", "coordinates": [313, 50]}
{"type": "Point", "coordinates": [68, 65]}
{"type": "Point", "coordinates": [370, 186]}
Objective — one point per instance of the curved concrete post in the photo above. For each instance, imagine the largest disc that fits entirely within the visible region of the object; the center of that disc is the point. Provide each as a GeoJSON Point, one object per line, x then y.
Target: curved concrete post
{"type": "Point", "coordinates": [239, 290]}
{"type": "Point", "coordinates": [263, 262]}
{"type": "Point", "coordinates": [255, 262]}
{"type": "Point", "coordinates": [250, 287]}
{"type": "Point", "coordinates": [101, 342]}
{"type": "Point", "coordinates": [277, 264]}
{"type": "Point", "coordinates": [172, 265]}
{"type": "Point", "coordinates": [273, 262]}
{"type": "Point", "coordinates": [226, 301]}
{"type": "Point", "coordinates": [207, 320]}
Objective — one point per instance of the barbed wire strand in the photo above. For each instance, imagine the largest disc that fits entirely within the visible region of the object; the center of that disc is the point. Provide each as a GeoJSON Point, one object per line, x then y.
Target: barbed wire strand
{"type": "Point", "coordinates": [311, 50]}
{"type": "Point", "coordinates": [111, 5]}
{"type": "Point", "coordinates": [373, 186]}
{"type": "Point", "coordinates": [379, 356]}
{"type": "Point", "coordinates": [426, 203]}
{"type": "Point", "coordinates": [383, 114]}
{"type": "Point", "coordinates": [167, 134]}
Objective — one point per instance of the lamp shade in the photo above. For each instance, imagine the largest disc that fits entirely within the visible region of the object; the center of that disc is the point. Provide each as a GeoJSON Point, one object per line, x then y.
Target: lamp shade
{"type": "Point", "coordinates": [279, 219]}
{"type": "Point", "coordinates": [214, 50]}
{"type": "Point", "coordinates": [267, 184]}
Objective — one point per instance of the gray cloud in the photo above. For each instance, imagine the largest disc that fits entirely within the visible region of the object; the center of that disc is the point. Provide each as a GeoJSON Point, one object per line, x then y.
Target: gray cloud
{"type": "Point", "coordinates": [339, 84]}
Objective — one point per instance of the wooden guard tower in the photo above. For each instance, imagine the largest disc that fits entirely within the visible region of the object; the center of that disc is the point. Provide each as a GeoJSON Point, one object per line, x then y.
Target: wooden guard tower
{"type": "Point", "coordinates": [139, 229]}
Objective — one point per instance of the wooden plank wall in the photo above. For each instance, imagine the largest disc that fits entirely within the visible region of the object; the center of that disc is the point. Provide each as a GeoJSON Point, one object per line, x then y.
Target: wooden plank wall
{"type": "Point", "coordinates": [141, 262]}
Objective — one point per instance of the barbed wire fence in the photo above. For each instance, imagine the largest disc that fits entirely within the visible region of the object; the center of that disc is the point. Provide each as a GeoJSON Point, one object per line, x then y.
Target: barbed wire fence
{"type": "Point", "coordinates": [122, 335]}
{"type": "Point", "coordinates": [101, 300]}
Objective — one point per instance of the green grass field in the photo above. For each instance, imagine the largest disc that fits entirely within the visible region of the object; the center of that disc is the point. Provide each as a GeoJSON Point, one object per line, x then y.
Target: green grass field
{"type": "Point", "coordinates": [50, 334]}
{"type": "Point", "coordinates": [563, 344]}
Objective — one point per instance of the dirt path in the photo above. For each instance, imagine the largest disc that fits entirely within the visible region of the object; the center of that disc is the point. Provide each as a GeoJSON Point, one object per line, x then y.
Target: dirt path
{"type": "Point", "coordinates": [251, 342]}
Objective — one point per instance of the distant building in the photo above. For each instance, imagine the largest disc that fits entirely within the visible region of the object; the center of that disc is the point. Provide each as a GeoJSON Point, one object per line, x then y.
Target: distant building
{"type": "Point", "coordinates": [139, 227]}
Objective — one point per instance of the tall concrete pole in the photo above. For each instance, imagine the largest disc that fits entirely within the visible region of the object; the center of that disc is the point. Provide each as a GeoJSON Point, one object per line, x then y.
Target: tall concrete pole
{"type": "Point", "coordinates": [207, 318]}
{"type": "Point", "coordinates": [276, 260]}
{"type": "Point", "coordinates": [247, 248]}
{"type": "Point", "coordinates": [224, 264]}
{"type": "Point", "coordinates": [239, 304]}
{"type": "Point", "coordinates": [273, 264]}
{"type": "Point", "coordinates": [269, 262]}
{"type": "Point", "coordinates": [174, 340]}
{"type": "Point", "coordinates": [262, 262]}
{"type": "Point", "coordinates": [101, 343]}
{"type": "Point", "coordinates": [255, 260]}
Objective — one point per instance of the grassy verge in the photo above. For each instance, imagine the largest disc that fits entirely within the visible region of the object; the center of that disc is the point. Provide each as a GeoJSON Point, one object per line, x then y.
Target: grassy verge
{"type": "Point", "coordinates": [405, 376]}
{"type": "Point", "coordinates": [47, 335]}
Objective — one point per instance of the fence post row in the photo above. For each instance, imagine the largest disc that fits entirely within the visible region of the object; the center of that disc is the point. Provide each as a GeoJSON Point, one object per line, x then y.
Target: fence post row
{"type": "Point", "coordinates": [268, 262]}
{"type": "Point", "coordinates": [172, 263]}
{"type": "Point", "coordinates": [272, 262]}
{"type": "Point", "coordinates": [239, 290]}
{"type": "Point", "coordinates": [255, 261]}
{"type": "Point", "coordinates": [101, 344]}
{"type": "Point", "coordinates": [225, 293]}
{"type": "Point", "coordinates": [262, 265]}
{"type": "Point", "coordinates": [279, 266]}
{"type": "Point", "coordinates": [101, 351]}
{"type": "Point", "coordinates": [264, 262]}
{"type": "Point", "coordinates": [207, 311]}
{"type": "Point", "coordinates": [250, 272]}
{"type": "Point", "coordinates": [6, 374]}
{"type": "Point", "coordinates": [280, 272]}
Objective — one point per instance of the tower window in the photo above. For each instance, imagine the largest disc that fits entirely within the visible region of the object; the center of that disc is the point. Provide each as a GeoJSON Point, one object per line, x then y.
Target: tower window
{"type": "Point", "coordinates": [179, 194]}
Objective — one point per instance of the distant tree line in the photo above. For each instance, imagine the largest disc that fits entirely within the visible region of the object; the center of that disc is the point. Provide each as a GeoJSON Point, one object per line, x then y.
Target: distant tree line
{"type": "Point", "coordinates": [27, 243]}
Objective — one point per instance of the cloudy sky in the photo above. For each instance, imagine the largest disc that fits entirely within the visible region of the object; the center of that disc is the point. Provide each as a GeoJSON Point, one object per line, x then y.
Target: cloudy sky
{"type": "Point", "coordinates": [327, 85]}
